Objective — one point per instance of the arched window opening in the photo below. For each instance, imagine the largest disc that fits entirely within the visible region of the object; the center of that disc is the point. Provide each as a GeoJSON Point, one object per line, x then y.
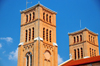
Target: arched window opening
{"type": "Point", "coordinates": [90, 52]}
{"type": "Point", "coordinates": [26, 36]}
{"type": "Point", "coordinates": [28, 59]}
{"type": "Point", "coordinates": [94, 52]}
{"type": "Point", "coordinates": [43, 33]}
{"type": "Point", "coordinates": [50, 19]}
{"type": "Point", "coordinates": [47, 34]}
{"type": "Point", "coordinates": [30, 17]}
{"type": "Point", "coordinates": [29, 34]}
{"type": "Point", "coordinates": [75, 54]}
{"type": "Point", "coordinates": [77, 39]}
{"type": "Point", "coordinates": [43, 16]}
{"type": "Point", "coordinates": [47, 17]}
{"type": "Point", "coordinates": [81, 53]}
{"type": "Point", "coordinates": [26, 18]}
{"type": "Point", "coordinates": [50, 36]}
{"type": "Point", "coordinates": [80, 37]}
{"type": "Point", "coordinates": [33, 15]}
{"type": "Point", "coordinates": [74, 39]}
{"type": "Point", "coordinates": [78, 53]}
{"type": "Point", "coordinates": [33, 33]}
{"type": "Point", "coordinates": [89, 37]}
{"type": "Point", "coordinates": [93, 40]}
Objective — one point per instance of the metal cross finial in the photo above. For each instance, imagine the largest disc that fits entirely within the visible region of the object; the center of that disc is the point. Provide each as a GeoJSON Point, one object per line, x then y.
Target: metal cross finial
{"type": "Point", "coordinates": [27, 3]}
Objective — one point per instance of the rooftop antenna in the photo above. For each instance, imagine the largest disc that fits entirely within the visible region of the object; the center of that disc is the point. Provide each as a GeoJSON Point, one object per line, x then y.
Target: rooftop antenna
{"type": "Point", "coordinates": [80, 23]}
{"type": "Point", "coordinates": [27, 3]}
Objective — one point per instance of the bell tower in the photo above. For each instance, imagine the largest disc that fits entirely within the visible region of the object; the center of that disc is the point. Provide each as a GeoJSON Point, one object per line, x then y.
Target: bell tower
{"type": "Point", "coordinates": [38, 37]}
{"type": "Point", "coordinates": [83, 44]}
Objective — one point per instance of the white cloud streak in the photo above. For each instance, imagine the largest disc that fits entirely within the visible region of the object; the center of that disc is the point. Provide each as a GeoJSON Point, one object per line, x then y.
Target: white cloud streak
{"type": "Point", "coordinates": [13, 55]}
{"type": "Point", "coordinates": [0, 45]}
{"type": "Point", "coordinates": [8, 39]}
{"type": "Point", "coordinates": [60, 60]}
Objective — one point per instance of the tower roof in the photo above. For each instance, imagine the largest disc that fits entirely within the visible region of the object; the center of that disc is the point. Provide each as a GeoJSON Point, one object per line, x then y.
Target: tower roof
{"type": "Point", "coordinates": [26, 10]}
{"type": "Point", "coordinates": [80, 31]}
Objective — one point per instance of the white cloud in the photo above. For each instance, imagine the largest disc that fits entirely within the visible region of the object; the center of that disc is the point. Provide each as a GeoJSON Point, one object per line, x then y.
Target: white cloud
{"type": "Point", "coordinates": [60, 60]}
{"type": "Point", "coordinates": [8, 39]}
{"type": "Point", "coordinates": [13, 55]}
{"type": "Point", "coordinates": [0, 45]}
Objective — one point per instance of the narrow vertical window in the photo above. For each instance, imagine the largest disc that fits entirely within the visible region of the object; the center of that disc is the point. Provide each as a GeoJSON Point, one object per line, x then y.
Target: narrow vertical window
{"type": "Point", "coordinates": [89, 37]}
{"type": "Point", "coordinates": [77, 39]}
{"type": "Point", "coordinates": [50, 19]}
{"type": "Point", "coordinates": [74, 39]}
{"type": "Point", "coordinates": [75, 53]}
{"type": "Point", "coordinates": [33, 15]}
{"type": "Point", "coordinates": [80, 37]}
{"type": "Point", "coordinates": [43, 16]}
{"type": "Point", "coordinates": [81, 53]}
{"type": "Point", "coordinates": [47, 34]}
{"type": "Point", "coordinates": [43, 33]}
{"type": "Point", "coordinates": [30, 17]}
{"type": "Point", "coordinates": [29, 34]}
{"type": "Point", "coordinates": [30, 60]}
{"type": "Point", "coordinates": [26, 18]}
{"type": "Point", "coordinates": [47, 17]}
{"type": "Point", "coordinates": [33, 33]}
{"type": "Point", "coordinates": [90, 52]}
{"type": "Point", "coordinates": [26, 36]}
{"type": "Point", "coordinates": [93, 40]}
{"type": "Point", "coordinates": [50, 36]}
{"type": "Point", "coordinates": [27, 60]}
{"type": "Point", "coordinates": [78, 53]}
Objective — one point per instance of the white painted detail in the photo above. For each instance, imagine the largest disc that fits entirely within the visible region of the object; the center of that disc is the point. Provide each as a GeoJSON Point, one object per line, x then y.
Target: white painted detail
{"type": "Point", "coordinates": [86, 57]}
{"type": "Point", "coordinates": [38, 38]}
{"type": "Point", "coordinates": [70, 56]}
{"type": "Point", "coordinates": [21, 43]}
{"type": "Point", "coordinates": [55, 44]}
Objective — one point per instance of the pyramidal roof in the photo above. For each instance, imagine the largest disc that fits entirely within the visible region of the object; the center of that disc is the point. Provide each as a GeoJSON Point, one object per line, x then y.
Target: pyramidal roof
{"type": "Point", "coordinates": [85, 29]}
{"type": "Point", "coordinates": [28, 9]}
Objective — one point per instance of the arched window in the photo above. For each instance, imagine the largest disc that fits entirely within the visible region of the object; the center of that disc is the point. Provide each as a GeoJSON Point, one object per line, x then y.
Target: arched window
{"type": "Point", "coordinates": [90, 52]}
{"type": "Point", "coordinates": [94, 52]}
{"type": "Point", "coordinates": [33, 15]}
{"type": "Point", "coordinates": [29, 34]}
{"type": "Point", "coordinates": [30, 17]}
{"type": "Point", "coordinates": [78, 53]}
{"type": "Point", "coordinates": [74, 39]}
{"type": "Point", "coordinates": [50, 35]}
{"type": "Point", "coordinates": [77, 39]}
{"type": "Point", "coordinates": [43, 16]}
{"type": "Point", "coordinates": [47, 17]}
{"type": "Point", "coordinates": [26, 18]}
{"type": "Point", "coordinates": [43, 33]}
{"type": "Point", "coordinates": [50, 19]}
{"type": "Point", "coordinates": [33, 33]}
{"type": "Point", "coordinates": [47, 34]}
{"type": "Point", "coordinates": [26, 36]}
{"type": "Point", "coordinates": [28, 59]}
{"type": "Point", "coordinates": [81, 53]}
{"type": "Point", "coordinates": [93, 40]}
{"type": "Point", "coordinates": [80, 37]}
{"type": "Point", "coordinates": [89, 37]}
{"type": "Point", "coordinates": [75, 53]}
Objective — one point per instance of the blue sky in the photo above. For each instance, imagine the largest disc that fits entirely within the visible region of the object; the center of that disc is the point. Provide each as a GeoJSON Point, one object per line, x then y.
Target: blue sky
{"type": "Point", "coordinates": [69, 13]}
